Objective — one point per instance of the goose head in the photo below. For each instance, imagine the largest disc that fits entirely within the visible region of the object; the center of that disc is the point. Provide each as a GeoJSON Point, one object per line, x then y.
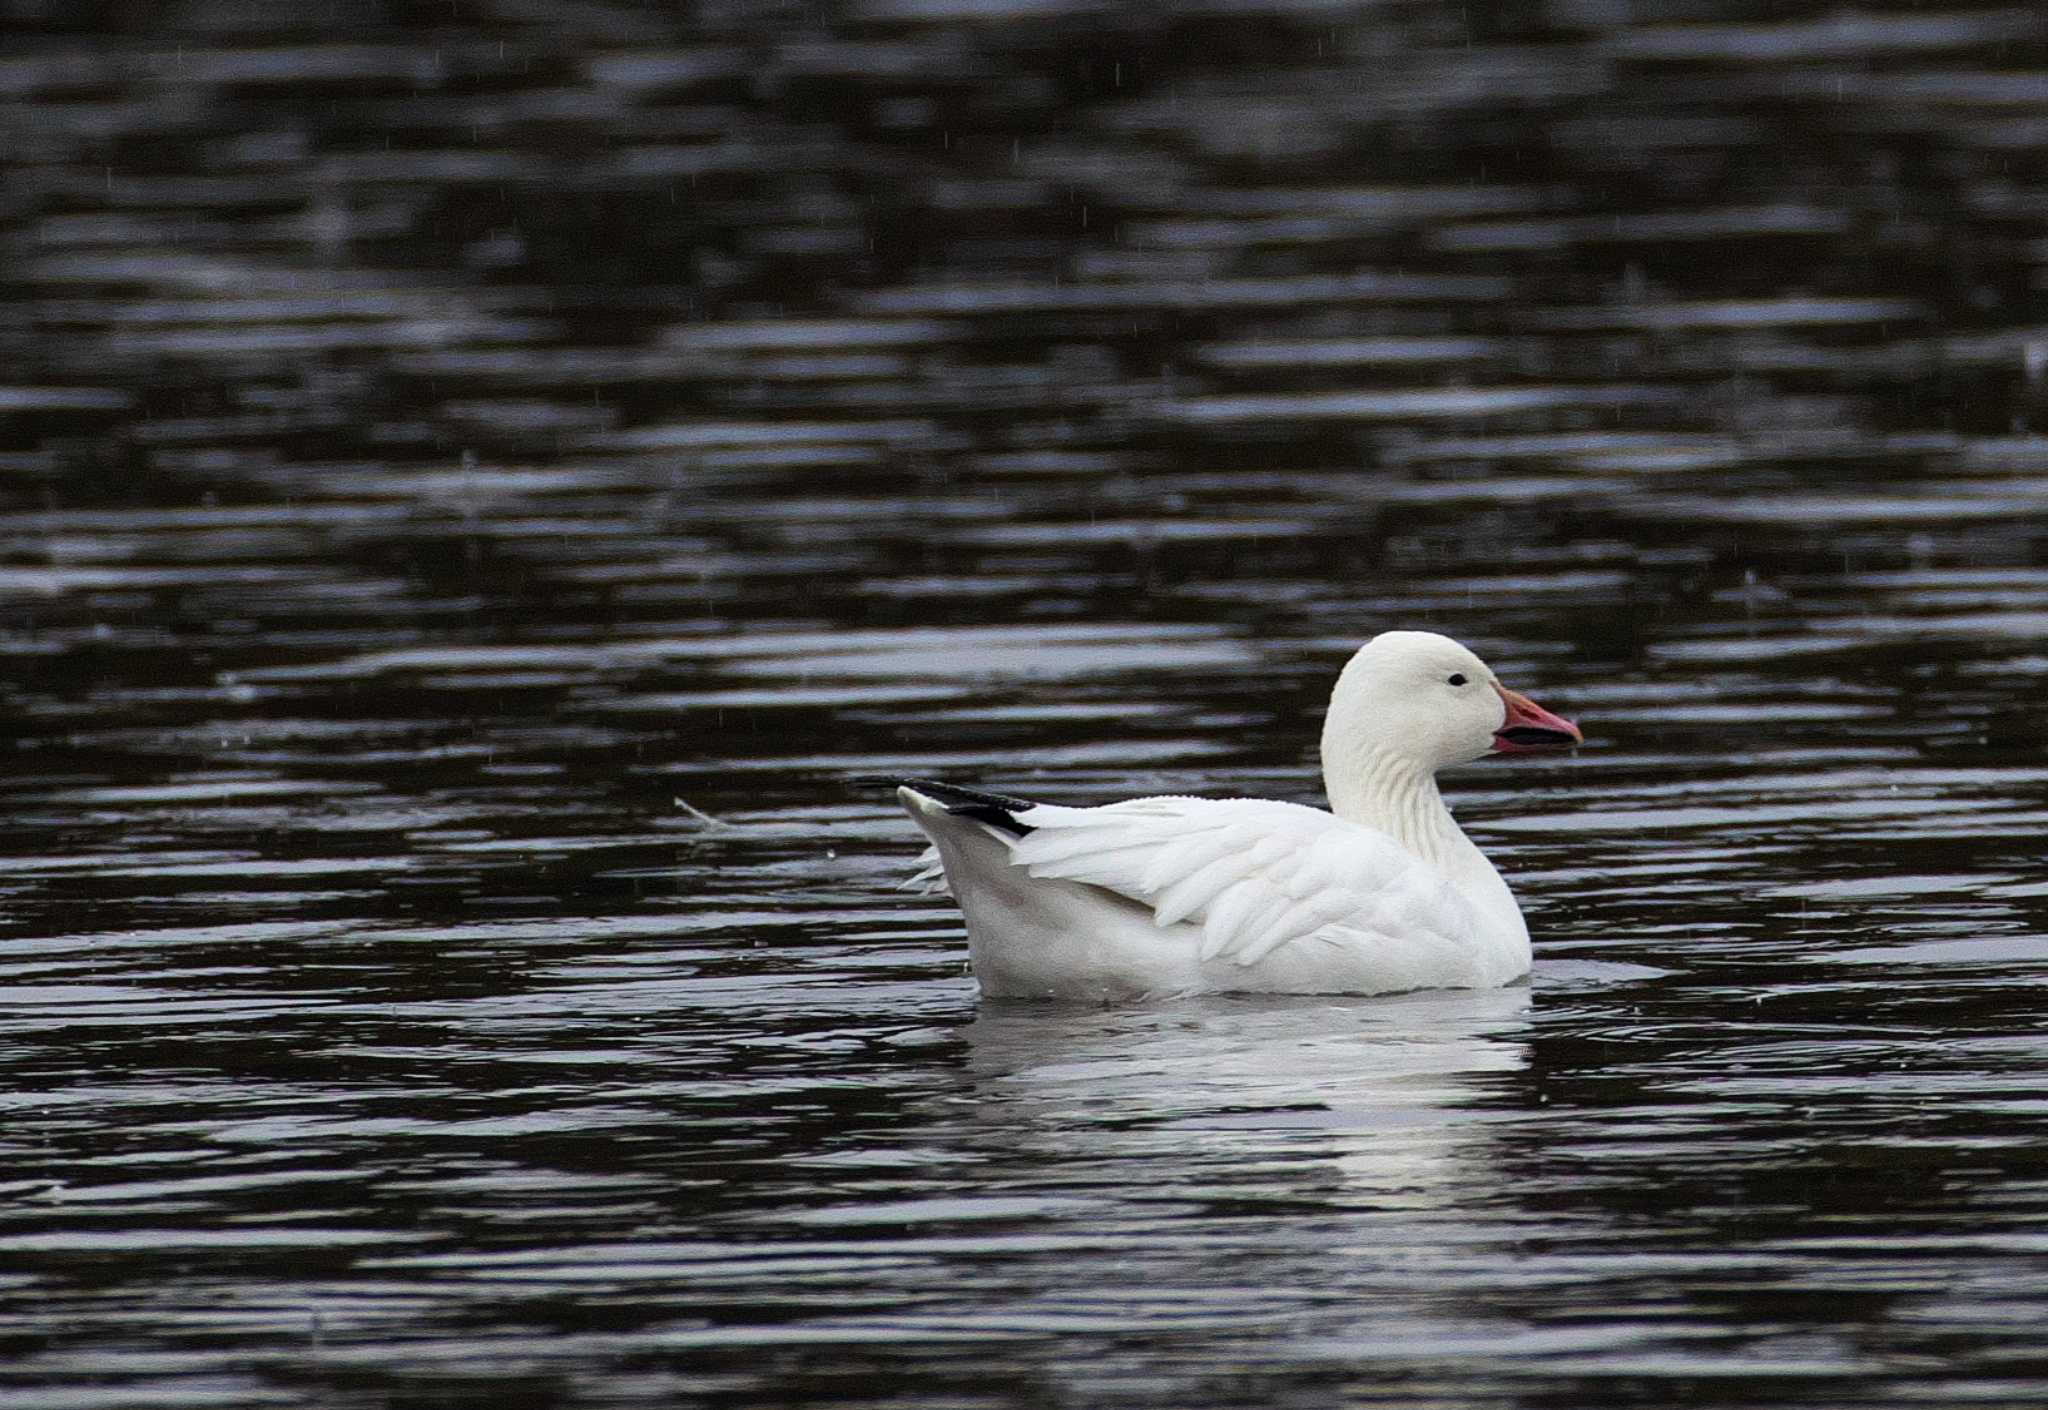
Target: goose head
{"type": "Point", "coordinates": [1423, 700]}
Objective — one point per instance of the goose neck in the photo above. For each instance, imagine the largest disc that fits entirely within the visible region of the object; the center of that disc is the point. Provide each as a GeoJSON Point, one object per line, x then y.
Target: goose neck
{"type": "Point", "coordinates": [1398, 796]}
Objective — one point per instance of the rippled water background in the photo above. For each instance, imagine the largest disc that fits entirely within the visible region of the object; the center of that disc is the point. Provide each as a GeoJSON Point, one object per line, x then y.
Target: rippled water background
{"type": "Point", "coordinates": [437, 438]}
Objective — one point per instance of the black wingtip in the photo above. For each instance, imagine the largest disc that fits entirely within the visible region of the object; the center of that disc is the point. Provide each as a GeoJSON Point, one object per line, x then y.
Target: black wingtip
{"type": "Point", "coordinates": [996, 809]}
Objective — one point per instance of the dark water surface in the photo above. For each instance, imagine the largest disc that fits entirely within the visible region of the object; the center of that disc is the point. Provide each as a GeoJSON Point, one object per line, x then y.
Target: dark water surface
{"type": "Point", "coordinates": [436, 439]}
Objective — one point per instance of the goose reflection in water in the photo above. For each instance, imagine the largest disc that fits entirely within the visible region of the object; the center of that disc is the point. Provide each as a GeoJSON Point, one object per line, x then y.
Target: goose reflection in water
{"type": "Point", "coordinates": [1394, 1090]}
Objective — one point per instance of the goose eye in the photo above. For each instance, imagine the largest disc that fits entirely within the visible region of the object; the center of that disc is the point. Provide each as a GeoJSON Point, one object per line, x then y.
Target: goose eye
{"type": "Point", "coordinates": [1458, 679]}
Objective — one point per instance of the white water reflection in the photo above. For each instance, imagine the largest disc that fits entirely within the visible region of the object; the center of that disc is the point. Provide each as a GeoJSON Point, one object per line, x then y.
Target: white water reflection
{"type": "Point", "coordinates": [1392, 1093]}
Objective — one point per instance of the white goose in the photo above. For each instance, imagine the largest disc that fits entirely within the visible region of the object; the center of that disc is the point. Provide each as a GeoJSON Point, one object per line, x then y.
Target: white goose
{"type": "Point", "coordinates": [1170, 896]}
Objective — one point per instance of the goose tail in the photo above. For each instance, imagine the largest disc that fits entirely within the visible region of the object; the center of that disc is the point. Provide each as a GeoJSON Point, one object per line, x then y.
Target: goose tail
{"type": "Point", "coordinates": [973, 825]}
{"type": "Point", "coordinates": [998, 810]}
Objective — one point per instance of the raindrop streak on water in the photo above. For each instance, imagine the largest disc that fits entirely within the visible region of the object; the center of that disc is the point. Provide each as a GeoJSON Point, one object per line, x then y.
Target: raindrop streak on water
{"type": "Point", "coordinates": [429, 450]}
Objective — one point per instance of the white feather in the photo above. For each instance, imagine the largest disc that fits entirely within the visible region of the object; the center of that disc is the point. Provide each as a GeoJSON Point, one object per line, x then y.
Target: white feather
{"type": "Point", "coordinates": [1193, 893]}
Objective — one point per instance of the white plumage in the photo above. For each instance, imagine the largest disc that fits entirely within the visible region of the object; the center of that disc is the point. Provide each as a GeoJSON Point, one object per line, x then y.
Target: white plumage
{"type": "Point", "coordinates": [1164, 896]}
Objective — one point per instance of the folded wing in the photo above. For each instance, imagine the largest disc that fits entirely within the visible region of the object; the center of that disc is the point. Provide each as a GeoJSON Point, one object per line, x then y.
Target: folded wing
{"type": "Point", "coordinates": [1255, 876]}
